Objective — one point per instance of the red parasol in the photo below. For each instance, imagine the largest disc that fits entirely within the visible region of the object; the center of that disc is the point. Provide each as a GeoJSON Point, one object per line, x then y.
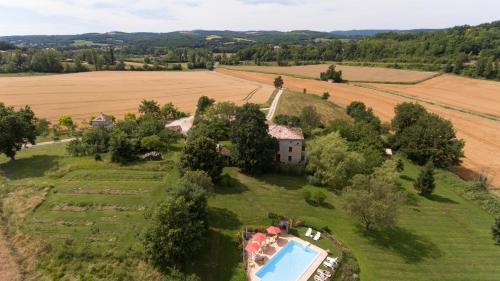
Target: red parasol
{"type": "Point", "coordinates": [252, 247]}
{"type": "Point", "coordinates": [273, 230]}
{"type": "Point", "coordinates": [259, 237]}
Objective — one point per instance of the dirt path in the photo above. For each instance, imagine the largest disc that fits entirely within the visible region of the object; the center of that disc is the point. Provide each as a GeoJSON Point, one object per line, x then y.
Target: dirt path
{"type": "Point", "coordinates": [9, 269]}
{"type": "Point", "coordinates": [274, 104]}
{"type": "Point", "coordinates": [482, 136]}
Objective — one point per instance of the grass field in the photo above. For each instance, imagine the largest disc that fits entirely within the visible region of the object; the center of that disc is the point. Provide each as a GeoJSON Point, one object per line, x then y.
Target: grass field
{"type": "Point", "coordinates": [84, 94]}
{"type": "Point", "coordinates": [292, 103]}
{"type": "Point", "coordinates": [480, 132]}
{"type": "Point", "coordinates": [350, 73]}
{"type": "Point", "coordinates": [92, 217]}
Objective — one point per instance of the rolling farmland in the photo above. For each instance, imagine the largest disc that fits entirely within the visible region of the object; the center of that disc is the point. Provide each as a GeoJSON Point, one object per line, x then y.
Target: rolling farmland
{"type": "Point", "coordinates": [84, 94]}
{"type": "Point", "coordinates": [481, 134]}
{"type": "Point", "coordinates": [351, 73]}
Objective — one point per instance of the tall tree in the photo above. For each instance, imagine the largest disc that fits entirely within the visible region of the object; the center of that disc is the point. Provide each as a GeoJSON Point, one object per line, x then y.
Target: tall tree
{"type": "Point", "coordinates": [331, 162]}
{"type": "Point", "coordinates": [201, 154]}
{"type": "Point", "coordinates": [17, 128]}
{"type": "Point", "coordinates": [204, 103]}
{"type": "Point", "coordinates": [278, 82]}
{"type": "Point", "coordinates": [425, 137]}
{"type": "Point", "coordinates": [374, 199]}
{"type": "Point", "coordinates": [254, 149]}
{"type": "Point", "coordinates": [150, 107]}
{"type": "Point", "coordinates": [177, 227]}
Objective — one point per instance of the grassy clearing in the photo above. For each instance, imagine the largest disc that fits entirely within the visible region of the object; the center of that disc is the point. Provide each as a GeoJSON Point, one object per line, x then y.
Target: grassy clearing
{"type": "Point", "coordinates": [91, 215]}
{"type": "Point", "coordinates": [291, 103]}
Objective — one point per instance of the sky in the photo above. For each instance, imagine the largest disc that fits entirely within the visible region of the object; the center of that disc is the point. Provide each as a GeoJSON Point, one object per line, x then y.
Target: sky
{"type": "Point", "coordinates": [27, 17]}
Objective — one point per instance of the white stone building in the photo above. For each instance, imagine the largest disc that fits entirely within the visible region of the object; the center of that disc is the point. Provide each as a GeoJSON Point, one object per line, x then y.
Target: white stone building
{"type": "Point", "coordinates": [291, 144]}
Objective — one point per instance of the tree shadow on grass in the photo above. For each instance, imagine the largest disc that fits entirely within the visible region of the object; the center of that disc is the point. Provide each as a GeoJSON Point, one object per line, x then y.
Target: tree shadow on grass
{"type": "Point", "coordinates": [32, 167]}
{"type": "Point", "coordinates": [440, 199]}
{"type": "Point", "coordinates": [219, 258]}
{"type": "Point", "coordinates": [286, 181]}
{"type": "Point", "coordinates": [410, 246]}
{"type": "Point", "coordinates": [223, 219]}
{"type": "Point", "coordinates": [229, 185]}
{"type": "Point", "coordinates": [325, 204]}
{"type": "Point", "coordinates": [406, 178]}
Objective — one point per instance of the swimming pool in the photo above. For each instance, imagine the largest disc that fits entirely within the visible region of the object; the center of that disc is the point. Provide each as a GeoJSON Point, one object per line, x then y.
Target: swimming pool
{"type": "Point", "coordinates": [288, 264]}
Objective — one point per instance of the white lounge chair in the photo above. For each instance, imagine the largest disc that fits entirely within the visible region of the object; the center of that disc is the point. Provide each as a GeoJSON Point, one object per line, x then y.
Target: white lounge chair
{"type": "Point", "coordinates": [327, 264]}
{"type": "Point", "coordinates": [317, 236]}
{"type": "Point", "coordinates": [332, 260]}
{"type": "Point", "coordinates": [309, 232]}
{"type": "Point", "coordinates": [322, 272]}
{"type": "Point", "coordinates": [319, 278]}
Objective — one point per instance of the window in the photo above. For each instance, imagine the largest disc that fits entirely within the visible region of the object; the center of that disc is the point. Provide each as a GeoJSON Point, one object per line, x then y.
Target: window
{"type": "Point", "coordinates": [302, 158]}
{"type": "Point", "coordinates": [289, 158]}
{"type": "Point", "coordinates": [278, 157]}
{"type": "Point", "coordinates": [289, 149]}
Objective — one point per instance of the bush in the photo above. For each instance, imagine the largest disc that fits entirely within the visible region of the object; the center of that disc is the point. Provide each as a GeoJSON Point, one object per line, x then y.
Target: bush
{"type": "Point", "coordinates": [325, 96]}
{"type": "Point", "coordinates": [495, 231]}
{"type": "Point", "coordinates": [331, 74]}
{"type": "Point", "coordinates": [306, 194]}
{"type": "Point", "coordinates": [98, 157]}
{"type": "Point", "coordinates": [153, 143]}
{"type": "Point", "coordinates": [78, 148]}
{"type": "Point", "coordinates": [318, 197]}
{"type": "Point", "coordinates": [314, 181]}
{"type": "Point", "coordinates": [425, 182]}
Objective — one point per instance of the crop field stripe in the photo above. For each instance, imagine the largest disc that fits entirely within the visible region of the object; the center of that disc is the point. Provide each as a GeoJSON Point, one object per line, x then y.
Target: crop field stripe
{"type": "Point", "coordinates": [431, 102]}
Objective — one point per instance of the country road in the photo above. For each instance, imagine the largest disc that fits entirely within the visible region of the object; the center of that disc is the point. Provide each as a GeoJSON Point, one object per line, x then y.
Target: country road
{"type": "Point", "coordinates": [48, 143]}
{"type": "Point", "coordinates": [274, 104]}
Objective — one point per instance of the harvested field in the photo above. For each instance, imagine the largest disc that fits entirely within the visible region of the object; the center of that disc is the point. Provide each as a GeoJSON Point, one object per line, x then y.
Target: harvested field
{"type": "Point", "coordinates": [482, 135]}
{"type": "Point", "coordinates": [471, 94]}
{"type": "Point", "coordinates": [84, 94]}
{"type": "Point", "coordinates": [351, 73]}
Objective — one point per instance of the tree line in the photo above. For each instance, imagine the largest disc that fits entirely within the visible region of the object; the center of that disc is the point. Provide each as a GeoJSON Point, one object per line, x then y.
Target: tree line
{"type": "Point", "coordinates": [472, 51]}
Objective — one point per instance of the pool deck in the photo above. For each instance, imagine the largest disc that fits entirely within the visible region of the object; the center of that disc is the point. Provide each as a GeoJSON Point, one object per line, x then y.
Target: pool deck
{"type": "Point", "coordinates": [270, 251]}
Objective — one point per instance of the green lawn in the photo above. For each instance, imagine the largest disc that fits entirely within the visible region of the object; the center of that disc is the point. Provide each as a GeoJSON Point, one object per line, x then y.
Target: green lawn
{"type": "Point", "coordinates": [442, 238]}
{"type": "Point", "coordinates": [291, 103]}
{"type": "Point", "coordinates": [92, 217]}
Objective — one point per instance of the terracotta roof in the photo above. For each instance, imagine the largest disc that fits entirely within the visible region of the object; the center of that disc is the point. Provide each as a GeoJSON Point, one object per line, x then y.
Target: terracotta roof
{"type": "Point", "coordinates": [282, 132]}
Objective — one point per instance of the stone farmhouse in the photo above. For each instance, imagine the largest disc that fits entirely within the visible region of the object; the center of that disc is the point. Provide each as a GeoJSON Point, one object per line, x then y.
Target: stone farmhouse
{"type": "Point", "coordinates": [291, 144]}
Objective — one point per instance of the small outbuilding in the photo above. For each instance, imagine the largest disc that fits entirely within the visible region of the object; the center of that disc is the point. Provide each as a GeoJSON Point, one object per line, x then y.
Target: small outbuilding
{"type": "Point", "coordinates": [182, 125]}
{"type": "Point", "coordinates": [102, 120]}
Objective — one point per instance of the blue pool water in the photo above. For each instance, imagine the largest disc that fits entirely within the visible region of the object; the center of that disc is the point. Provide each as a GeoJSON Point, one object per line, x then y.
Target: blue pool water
{"type": "Point", "coordinates": [288, 264]}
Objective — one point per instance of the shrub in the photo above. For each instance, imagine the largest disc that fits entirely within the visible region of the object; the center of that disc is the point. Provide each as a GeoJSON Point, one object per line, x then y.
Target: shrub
{"type": "Point", "coordinates": [98, 157]}
{"type": "Point", "coordinates": [425, 182]}
{"type": "Point", "coordinates": [307, 195]}
{"type": "Point", "coordinates": [325, 96]}
{"type": "Point", "coordinates": [495, 230]}
{"type": "Point", "coordinates": [278, 82]}
{"type": "Point", "coordinates": [153, 143]}
{"type": "Point", "coordinates": [331, 74]}
{"type": "Point", "coordinates": [314, 180]}
{"type": "Point", "coordinates": [318, 197]}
